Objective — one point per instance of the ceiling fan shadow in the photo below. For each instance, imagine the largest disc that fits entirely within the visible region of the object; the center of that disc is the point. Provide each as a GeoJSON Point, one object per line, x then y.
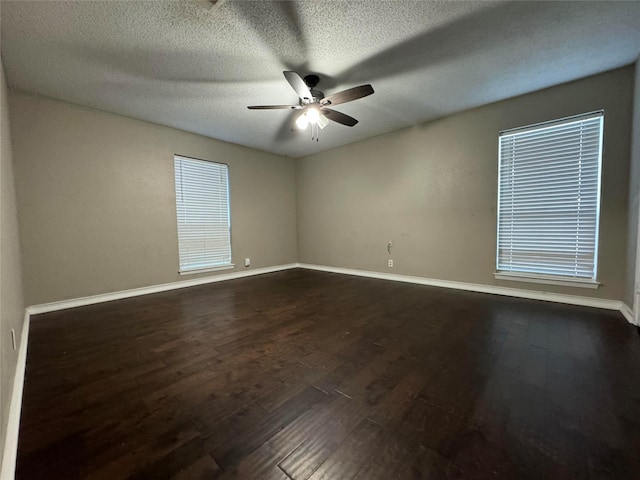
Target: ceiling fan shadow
{"type": "Point", "coordinates": [173, 66]}
{"type": "Point", "coordinates": [482, 31]}
{"type": "Point", "coordinates": [268, 17]}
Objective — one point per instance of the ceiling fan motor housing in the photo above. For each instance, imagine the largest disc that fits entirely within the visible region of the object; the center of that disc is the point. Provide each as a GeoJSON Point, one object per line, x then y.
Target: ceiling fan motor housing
{"type": "Point", "coordinates": [317, 95]}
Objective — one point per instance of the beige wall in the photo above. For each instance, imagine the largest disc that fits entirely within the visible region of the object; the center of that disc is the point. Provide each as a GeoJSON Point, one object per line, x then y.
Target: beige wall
{"type": "Point", "coordinates": [432, 190]}
{"type": "Point", "coordinates": [97, 207]}
{"type": "Point", "coordinates": [634, 196]}
{"type": "Point", "coordinates": [11, 295]}
{"type": "Point", "coordinates": [97, 201]}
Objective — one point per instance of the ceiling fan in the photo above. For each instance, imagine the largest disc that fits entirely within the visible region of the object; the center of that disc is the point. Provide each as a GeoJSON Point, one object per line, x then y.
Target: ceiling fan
{"type": "Point", "coordinates": [315, 106]}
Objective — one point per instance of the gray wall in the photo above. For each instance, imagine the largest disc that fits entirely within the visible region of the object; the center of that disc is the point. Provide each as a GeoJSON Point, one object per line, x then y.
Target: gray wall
{"type": "Point", "coordinates": [97, 201]}
{"type": "Point", "coordinates": [11, 295]}
{"type": "Point", "coordinates": [432, 190]}
{"type": "Point", "coordinates": [634, 196]}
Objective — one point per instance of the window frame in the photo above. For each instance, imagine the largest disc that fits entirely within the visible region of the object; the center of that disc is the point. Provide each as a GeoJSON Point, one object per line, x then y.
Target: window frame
{"type": "Point", "coordinates": [544, 278]}
{"type": "Point", "coordinates": [213, 267]}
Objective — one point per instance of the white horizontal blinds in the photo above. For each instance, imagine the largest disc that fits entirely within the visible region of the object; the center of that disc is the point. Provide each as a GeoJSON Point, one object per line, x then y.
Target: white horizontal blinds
{"type": "Point", "coordinates": [202, 204]}
{"type": "Point", "coordinates": [549, 196]}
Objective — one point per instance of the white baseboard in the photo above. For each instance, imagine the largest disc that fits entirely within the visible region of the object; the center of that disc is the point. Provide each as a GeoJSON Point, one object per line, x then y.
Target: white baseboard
{"type": "Point", "coordinates": [10, 452]}
{"type": "Point", "coordinates": [11, 440]}
{"type": "Point", "coordinates": [627, 312]}
{"type": "Point", "coordinates": [472, 287]}
{"type": "Point", "coordinates": [9, 455]}
{"type": "Point", "coordinates": [107, 297]}
{"type": "Point", "coordinates": [477, 287]}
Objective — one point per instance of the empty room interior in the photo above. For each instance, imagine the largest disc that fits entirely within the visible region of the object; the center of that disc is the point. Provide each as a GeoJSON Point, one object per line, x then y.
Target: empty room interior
{"type": "Point", "coordinates": [320, 240]}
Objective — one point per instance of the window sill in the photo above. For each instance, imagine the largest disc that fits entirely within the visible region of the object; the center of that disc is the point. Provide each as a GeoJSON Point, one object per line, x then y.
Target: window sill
{"type": "Point", "coordinates": [207, 269]}
{"type": "Point", "coordinates": [547, 280]}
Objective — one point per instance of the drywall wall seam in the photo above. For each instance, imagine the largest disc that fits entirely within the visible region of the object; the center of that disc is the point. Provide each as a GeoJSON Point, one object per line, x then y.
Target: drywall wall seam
{"type": "Point", "coordinates": [13, 423]}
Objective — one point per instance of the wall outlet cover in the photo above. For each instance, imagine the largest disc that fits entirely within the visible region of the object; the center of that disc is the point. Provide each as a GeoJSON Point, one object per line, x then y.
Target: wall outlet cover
{"type": "Point", "coordinates": [247, 262]}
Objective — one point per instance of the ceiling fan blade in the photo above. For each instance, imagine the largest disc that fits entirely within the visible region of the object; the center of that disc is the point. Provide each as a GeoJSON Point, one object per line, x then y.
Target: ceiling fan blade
{"type": "Point", "coordinates": [297, 83]}
{"type": "Point", "coordinates": [273, 107]}
{"type": "Point", "coordinates": [347, 95]}
{"type": "Point", "coordinates": [339, 117]}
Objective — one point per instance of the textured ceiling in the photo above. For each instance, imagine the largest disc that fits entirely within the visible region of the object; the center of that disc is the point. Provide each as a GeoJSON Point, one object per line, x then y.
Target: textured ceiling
{"type": "Point", "coordinates": [186, 66]}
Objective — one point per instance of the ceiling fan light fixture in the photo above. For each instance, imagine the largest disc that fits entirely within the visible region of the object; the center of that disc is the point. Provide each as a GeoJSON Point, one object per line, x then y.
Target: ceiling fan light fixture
{"type": "Point", "coordinates": [302, 121]}
{"type": "Point", "coordinates": [313, 114]}
{"type": "Point", "coordinates": [323, 121]}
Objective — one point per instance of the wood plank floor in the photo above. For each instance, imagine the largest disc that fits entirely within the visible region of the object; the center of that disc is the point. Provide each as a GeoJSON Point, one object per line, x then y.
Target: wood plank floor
{"type": "Point", "coordinates": [309, 375]}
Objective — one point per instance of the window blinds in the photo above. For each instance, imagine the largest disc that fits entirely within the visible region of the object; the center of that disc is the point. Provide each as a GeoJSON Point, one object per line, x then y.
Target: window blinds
{"type": "Point", "coordinates": [202, 205]}
{"type": "Point", "coordinates": [549, 196]}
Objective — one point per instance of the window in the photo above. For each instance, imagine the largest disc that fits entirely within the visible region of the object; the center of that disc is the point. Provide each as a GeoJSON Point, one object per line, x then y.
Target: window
{"type": "Point", "coordinates": [202, 205]}
{"type": "Point", "coordinates": [549, 201]}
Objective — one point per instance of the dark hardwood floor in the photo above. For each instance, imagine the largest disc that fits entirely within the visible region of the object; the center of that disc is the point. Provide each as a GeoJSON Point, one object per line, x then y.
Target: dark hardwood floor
{"type": "Point", "coordinates": [303, 374]}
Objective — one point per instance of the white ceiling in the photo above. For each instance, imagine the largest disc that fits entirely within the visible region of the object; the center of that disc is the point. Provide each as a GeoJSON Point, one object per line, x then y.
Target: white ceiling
{"type": "Point", "coordinates": [182, 65]}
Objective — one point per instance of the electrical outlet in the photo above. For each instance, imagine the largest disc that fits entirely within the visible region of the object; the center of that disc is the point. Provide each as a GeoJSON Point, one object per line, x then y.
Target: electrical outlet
{"type": "Point", "coordinates": [390, 263]}
{"type": "Point", "coordinates": [13, 339]}
{"type": "Point", "coordinates": [247, 262]}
